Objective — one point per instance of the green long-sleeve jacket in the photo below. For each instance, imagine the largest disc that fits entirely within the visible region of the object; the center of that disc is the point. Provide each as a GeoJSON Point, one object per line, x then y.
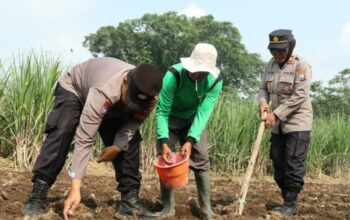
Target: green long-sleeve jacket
{"type": "Point", "coordinates": [191, 98]}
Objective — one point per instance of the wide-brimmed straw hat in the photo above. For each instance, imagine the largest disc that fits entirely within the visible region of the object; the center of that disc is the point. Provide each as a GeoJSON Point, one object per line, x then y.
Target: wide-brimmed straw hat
{"type": "Point", "coordinates": [202, 59]}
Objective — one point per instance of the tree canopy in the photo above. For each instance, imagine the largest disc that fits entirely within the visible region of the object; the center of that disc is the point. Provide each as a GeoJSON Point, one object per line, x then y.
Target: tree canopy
{"type": "Point", "coordinates": [334, 98]}
{"type": "Point", "coordinates": [163, 39]}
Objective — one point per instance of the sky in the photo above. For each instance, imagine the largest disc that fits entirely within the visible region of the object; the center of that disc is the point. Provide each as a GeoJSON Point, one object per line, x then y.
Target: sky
{"type": "Point", "coordinates": [321, 28]}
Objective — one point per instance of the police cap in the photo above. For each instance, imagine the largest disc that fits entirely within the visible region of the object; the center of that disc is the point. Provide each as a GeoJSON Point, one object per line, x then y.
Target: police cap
{"type": "Point", "coordinates": [279, 39]}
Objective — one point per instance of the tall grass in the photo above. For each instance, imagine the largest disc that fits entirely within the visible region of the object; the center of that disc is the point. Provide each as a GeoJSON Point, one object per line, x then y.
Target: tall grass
{"type": "Point", "coordinates": [329, 151]}
{"type": "Point", "coordinates": [149, 136]}
{"type": "Point", "coordinates": [25, 103]}
{"type": "Point", "coordinates": [232, 131]}
{"type": "Point", "coordinates": [26, 97]}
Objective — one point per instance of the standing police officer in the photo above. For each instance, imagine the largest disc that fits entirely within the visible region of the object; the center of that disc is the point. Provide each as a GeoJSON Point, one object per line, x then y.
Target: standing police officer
{"type": "Point", "coordinates": [286, 83]}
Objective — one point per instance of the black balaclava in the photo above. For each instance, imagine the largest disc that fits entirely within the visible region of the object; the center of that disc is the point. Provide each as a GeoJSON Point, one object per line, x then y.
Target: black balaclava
{"type": "Point", "coordinates": [291, 46]}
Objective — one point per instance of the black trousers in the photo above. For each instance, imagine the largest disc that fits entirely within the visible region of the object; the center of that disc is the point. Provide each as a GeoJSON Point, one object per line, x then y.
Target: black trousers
{"type": "Point", "coordinates": [127, 163]}
{"type": "Point", "coordinates": [178, 130]}
{"type": "Point", "coordinates": [60, 129]}
{"type": "Point", "coordinates": [288, 154]}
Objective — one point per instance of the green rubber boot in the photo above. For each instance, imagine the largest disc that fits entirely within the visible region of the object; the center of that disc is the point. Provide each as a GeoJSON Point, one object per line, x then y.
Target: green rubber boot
{"type": "Point", "coordinates": [168, 200]}
{"type": "Point", "coordinates": [203, 188]}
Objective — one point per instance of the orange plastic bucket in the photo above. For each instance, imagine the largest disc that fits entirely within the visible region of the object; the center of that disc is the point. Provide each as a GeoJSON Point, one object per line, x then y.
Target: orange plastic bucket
{"type": "Point", "coordinates": [173, 175]}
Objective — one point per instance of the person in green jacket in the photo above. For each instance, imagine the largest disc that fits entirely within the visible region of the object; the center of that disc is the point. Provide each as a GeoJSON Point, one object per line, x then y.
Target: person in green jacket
{"type": "Point", "coordinates": [187, 99]}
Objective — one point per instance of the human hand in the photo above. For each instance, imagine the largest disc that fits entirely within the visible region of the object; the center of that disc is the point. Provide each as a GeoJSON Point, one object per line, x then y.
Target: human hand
{"type": "Point", "coordinates": [263, 107]}
{"type": "Point", "coordinates": [186, 149]}
{"type": "Point", "coordinates": [167, 154]}
{"type": "Point", "coordinates": [109, 153]}
{"type": "Point", "coordinates": [271, 119]}
{"type": "Point", "coordinates": [72, 201]}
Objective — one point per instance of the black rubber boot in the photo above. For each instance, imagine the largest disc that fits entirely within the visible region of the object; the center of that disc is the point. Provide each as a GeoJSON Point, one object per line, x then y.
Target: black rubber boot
{"type": "Point", "coordinates": [168, 200]}
{"type": "Point", "coordinates": [130, 205]}
{"type": "Point", "coordinates": [203, 188]}
{"type": "Point", "coordinates": [289, 207]}
{"type": "Point", "coordinates": [276, 206]}
{"type": "Point", "coordinates": [36, 202]}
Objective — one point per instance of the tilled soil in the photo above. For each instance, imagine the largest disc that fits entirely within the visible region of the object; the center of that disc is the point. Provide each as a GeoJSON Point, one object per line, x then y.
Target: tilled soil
{"type": "Point", "coordinates": [329, 199]}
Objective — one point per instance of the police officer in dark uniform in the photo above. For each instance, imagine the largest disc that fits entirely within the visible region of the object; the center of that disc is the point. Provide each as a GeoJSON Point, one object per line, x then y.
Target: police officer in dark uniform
{"type": "Point", "coordinates": [286, 83]}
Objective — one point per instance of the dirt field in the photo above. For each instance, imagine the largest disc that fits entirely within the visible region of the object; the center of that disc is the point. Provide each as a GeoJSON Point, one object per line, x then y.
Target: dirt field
{"type": "Point", "coordinates": [326, 199]}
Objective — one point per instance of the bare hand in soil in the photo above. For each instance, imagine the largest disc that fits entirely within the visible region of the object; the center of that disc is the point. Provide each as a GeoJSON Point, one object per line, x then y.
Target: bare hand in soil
{"type": "Point", "coordinates": [71, 203]}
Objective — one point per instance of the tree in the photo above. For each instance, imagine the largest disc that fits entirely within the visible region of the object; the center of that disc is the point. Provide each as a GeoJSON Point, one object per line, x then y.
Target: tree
{"type": "Point", "coordinates": [163, 39]}
{"type": "Point", "coordinates": [334, 98]}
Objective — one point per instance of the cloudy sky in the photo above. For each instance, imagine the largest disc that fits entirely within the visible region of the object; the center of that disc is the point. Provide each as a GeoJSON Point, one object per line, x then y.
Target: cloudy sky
{"type": "Point", "coordinates": [322, 28]}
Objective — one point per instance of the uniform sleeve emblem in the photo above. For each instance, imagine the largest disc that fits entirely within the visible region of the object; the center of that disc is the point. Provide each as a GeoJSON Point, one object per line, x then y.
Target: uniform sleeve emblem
{"type": "Point", "coordinates": [105, 107]}
{"type": "Point", "coordinates": [301, 74]}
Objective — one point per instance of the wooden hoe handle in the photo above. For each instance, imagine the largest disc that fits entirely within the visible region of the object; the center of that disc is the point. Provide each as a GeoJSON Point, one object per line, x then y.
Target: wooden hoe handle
{"type": "Point", "coordinates": [253, 156]}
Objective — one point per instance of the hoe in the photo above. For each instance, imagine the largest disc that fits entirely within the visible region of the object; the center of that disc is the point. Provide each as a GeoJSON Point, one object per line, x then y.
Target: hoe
{"type": "Point", "coordinates": [248, 174]}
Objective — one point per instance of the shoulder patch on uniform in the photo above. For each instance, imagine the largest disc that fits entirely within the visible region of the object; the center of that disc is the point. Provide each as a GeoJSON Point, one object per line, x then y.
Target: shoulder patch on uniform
{"type": "Point", "coordinates": [301, 74]}
{"type": "Point", "coordinates": [105, 107]}
{"type": "Point", "coordinates": [291, 59]}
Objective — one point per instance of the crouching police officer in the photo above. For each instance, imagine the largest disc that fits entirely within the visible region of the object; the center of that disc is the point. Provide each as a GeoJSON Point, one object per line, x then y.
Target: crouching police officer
{"type": "Point", "coordinates": [286, 83]}
{"type": "Point", "coordinates": [104, 95]}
